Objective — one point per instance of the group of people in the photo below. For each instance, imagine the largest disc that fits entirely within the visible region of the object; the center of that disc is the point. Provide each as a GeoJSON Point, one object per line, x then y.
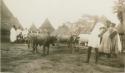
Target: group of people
{"type": "Point", "coordinates": [17, 33]}
{"type": "Point", "coordinates": [104, 40]}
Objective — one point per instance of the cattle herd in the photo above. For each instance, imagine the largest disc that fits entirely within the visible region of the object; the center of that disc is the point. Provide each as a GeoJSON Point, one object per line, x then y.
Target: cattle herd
{"type": "Point", "coordinates": [33, 40]}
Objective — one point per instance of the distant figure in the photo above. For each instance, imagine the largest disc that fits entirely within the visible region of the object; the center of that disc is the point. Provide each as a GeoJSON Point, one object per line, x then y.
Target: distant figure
{"type": "Point", "coordinates": [19, 34]}
{"type": "Point", "coordinates": [13, 34]}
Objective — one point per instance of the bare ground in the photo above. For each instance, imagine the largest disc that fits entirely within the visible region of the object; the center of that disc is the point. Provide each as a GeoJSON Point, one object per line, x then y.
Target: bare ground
{"type": "Point", "coordinates": [18, 58]}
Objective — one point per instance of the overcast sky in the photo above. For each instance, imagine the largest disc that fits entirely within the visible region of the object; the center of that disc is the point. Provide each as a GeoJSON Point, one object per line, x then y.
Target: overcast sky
{"type": "Point", "coordinates": [58, 11]}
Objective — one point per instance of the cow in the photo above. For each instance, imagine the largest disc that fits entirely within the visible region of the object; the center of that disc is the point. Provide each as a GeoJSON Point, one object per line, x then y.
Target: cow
{"type": "Point", "coordinates": [42, 40]}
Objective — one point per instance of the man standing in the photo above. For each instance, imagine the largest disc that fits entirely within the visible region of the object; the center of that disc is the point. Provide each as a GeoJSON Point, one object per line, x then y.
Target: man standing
{"type": "Point", "coordinates": [94, 40]}
{"type": "Point", "coordinates": [13, 34]}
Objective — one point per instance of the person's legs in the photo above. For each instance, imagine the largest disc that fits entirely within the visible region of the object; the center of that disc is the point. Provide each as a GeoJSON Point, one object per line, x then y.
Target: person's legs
{"type": "Point", "coordinates": [96, 55]}
{"type": "Point", "coordinates": [88, 54]}
{"type": "Point", "coordinates": [48, 50]}
{"type": "Point", "coordinates": [33, 48]}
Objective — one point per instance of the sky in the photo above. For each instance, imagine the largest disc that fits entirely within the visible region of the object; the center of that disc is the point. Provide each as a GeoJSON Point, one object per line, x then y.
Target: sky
{"type": "Point", "coordinates": [58, 12]}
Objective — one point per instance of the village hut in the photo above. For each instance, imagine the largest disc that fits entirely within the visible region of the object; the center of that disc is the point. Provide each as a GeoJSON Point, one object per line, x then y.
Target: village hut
{"type": "Point", "coordinates": [86, 32]}
{"type": "Point", "coordinates": [46, 27]}
{"type": "Point", "coordinates": [7, 21]}
{"type": "Point", "coordinates": [62, 32]}
{"type": "Point", "coordinates": [33, 29]}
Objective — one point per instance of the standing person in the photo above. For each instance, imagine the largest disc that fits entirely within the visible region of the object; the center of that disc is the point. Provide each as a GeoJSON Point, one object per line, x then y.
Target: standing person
{"type": "Point", "coordinates": [13, 34]}
{"type": "Point", "coordinates": [110, 44]}
{"type": "Point", "coordinates": [94, 40]}
{"type": "Point", "coordinates": [115, 39]}
{"type": "Point", "coordinates": [106, 43]}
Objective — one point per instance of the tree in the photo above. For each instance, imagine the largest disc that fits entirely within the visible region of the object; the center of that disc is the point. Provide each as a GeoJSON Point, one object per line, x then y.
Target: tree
{"type": "Point", "coordinates": [119, 9]}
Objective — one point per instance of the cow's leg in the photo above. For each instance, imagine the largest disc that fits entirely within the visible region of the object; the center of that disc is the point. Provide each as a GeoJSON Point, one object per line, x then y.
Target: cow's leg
{"type": "Point", "coordinates": [36, 48]}
{"type": "Point", "coordinates": [29, 44]}
{"type": "Point", "coordinates": [79, 49]}
{"type": "Point", "coordinates": [69, 44]}
{"type": "Point", "coordinates": [44, 50]}
{"type": "Point", "coordinates": [73, 48]}
{"type": "Point", "coordinates": [33, 48]}
{"type": "Point", "coordinates": [89, 54]}
{"type": "Point", "coordinates": [48, 50]}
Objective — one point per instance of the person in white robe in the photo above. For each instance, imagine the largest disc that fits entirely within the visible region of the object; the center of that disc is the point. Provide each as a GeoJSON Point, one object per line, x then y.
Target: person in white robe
{"type": "Point", "coordinates": [94, 40]}
{"type": "Point", "coordinates": [13, 34]}
{"type": "Point", "coordinates": [115, 41]}
{"type": "Point", "coordinates": [111, 44]}
{"type": "Point", "coordinates": [105, 45]}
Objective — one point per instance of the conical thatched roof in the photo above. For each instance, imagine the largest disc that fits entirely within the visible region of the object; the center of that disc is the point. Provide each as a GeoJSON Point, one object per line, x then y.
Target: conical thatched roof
{"type": "Point", "coordinates": [33, 28]}
{"type": "Point", "coordinates": [8, 19]}
{"type": "Point", "coordinates": [62, 31]}
{"type": "Point", "coordinates": [46, 26]}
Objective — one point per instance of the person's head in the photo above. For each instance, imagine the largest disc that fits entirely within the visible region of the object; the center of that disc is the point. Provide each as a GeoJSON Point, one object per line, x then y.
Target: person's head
{"type": "Point", "coordinates": [108, 23]}
{"type": "Point", "coordinates": [14, 26]}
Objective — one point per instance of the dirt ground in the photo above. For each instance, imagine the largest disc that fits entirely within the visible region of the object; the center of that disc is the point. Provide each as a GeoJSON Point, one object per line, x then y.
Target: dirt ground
{"type": "Point", "coordinates": [18, 58]}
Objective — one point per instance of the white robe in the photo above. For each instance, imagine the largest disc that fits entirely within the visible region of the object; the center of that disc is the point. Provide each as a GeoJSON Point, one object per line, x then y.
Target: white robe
{"type": "Point", "coordinates": [94, 39]}
{"type": "Point", "coordinates": [109, 45]}
{"type": "Point", "coordinates": [12, 35]}
{"type": "Point", "coordinates": [106, 43]}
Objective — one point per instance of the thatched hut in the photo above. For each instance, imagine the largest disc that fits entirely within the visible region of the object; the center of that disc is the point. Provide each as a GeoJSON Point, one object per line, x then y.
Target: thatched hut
{"type": "Point", "coordinates": [33, 29]}
{"type": "Point", "coordinates": [62, 32]}
{"type": "Point", "coordinates": [46, 26]}
{"type": "Point", "coordinates": [7, 21]}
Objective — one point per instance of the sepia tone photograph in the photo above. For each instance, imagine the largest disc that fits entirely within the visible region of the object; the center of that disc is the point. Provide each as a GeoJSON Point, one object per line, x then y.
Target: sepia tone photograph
{"type": "Point", "coordinates": [62, 36]}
